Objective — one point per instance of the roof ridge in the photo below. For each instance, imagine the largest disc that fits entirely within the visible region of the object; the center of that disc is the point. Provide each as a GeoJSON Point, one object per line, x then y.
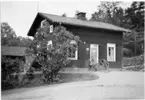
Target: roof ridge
{"type": "Point", "coordinates": [83, 23]}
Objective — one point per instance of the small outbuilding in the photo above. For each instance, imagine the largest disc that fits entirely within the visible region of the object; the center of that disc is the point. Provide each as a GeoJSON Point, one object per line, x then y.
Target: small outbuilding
{"type": "Point", "coordinates": [14, 53]}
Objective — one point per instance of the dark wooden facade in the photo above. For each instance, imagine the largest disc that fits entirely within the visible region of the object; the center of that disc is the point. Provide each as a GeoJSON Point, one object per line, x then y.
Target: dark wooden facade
{"type": "Point", "coordinates": [100, 37]}
{"type": "Point", "coordinates": [89, 36]}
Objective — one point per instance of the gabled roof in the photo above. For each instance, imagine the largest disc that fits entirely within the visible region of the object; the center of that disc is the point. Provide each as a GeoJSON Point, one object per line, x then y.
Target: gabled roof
{"type": "Point", "coordinates": [12, 51]}
{"type": "Point", "coordinates": [74, 21]}
{"type": "Point", "coordinates": [78, 22]}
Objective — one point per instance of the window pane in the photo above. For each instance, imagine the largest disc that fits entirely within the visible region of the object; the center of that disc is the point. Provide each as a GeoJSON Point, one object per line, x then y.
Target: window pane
{"type": "Point", "coordinates": [49, 44]}
{"type": "Point", "coordinates": [51, 28]}
{"type": "Point", "coordinates": [72, 51]}
{"type": "Point", "coordinates": [111, 52]}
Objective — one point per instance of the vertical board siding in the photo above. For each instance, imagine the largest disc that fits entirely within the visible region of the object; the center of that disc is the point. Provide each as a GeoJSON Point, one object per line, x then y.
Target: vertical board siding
{"type": "Point", "coordinates": [93, 36]}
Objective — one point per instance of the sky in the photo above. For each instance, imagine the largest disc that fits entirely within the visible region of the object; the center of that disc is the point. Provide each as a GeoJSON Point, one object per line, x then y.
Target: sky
{"type": "Point", "coordinates": [21, 14]}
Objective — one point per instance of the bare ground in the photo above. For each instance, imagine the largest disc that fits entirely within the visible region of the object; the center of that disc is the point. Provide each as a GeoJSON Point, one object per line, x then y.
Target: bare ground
{"type": "Point", "coordinates": [116, 85]}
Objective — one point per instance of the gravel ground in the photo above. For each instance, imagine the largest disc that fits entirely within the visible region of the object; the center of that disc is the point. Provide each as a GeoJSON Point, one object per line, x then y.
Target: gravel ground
{"type": "Point", "coordinates": [116, 85]}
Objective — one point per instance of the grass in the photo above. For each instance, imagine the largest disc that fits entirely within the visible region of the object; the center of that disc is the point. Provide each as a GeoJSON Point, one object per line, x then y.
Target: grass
{"type": "Point", "coordinates": [64, 76]}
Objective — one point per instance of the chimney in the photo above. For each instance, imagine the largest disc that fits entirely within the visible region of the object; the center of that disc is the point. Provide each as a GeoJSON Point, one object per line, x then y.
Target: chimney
{"type": "Point", "coordinates": [81, 15]}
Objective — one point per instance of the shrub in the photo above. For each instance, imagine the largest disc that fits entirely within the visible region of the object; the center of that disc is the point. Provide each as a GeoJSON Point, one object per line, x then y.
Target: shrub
{"type": "Point", "coordinates": [53, 57]}
{"type": "Point", "coordinates": [137, 62]}
{"type": "Point", "coordinates": [129, 48]}
{"type": "Point", "coordinates": [10, 72]}
{"type": "Point", "coordinates": [30, 74]}
{"type": "Point", "coordinates": [127, 52]}
{"type": "Point", "coordinates": [28, 77]}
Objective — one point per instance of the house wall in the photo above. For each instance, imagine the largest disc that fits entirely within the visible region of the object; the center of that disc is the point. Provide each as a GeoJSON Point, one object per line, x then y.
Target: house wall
{"type": "Point", "coordinates": [94, 36]}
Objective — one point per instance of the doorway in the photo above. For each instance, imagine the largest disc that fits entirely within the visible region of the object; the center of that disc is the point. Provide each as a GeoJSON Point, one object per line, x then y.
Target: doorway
{"type": "Point", "coordinates": [94, 53]}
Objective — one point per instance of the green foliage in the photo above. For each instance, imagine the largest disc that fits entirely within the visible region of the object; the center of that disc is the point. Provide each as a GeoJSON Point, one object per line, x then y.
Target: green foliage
{"type": "Point", "coordinates": [10, 72]}
{"type": "Point", "coordinates": [9, 38]}
{"type": "Point", "coordinates": [30, 74]}
{"type": "Point", "coordinates": [52, 58]}
{"type": "Point", "coordinates": [136, 62]}
{"type": "Point", "coordinates": [109, 12]}
{"type": "Point", "coordinates": [135, 15]}
{"type": "Point", "coordinates": [127, 52]}
{"type": "Point", "coordinates": [28, 77]}
{"type": "Point", "coordinates": [131, 49]}
{"type": "Point", "coordinates": [23, 41]}
{"type": "Point", "coordinates": [134, 19]}
{"type": "Point", "coordinates": [7, 34]}
{"type": "Point", "coordinates": [131, 18]}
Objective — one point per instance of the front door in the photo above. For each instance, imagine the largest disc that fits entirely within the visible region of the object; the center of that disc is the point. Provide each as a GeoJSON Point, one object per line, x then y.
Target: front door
{"type": "Point", "coordinates": [94, 55]}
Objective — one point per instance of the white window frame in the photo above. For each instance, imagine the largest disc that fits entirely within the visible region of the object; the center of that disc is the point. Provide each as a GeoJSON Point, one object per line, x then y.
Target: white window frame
{"type": "Point", "coordinates": [114, 46]}
{"type": "Point", "coordinates": [41, 25]}
{"type": "Point", "coordinates": [49, 43]}
{"type": "Point", "coordinates": [76, 52]}
{"type": "Point", "coordinates": [51, 28]}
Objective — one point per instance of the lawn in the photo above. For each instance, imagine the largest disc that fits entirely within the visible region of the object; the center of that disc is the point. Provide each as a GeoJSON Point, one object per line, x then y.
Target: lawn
{"type": "Point", "coordinates": [65, 77]}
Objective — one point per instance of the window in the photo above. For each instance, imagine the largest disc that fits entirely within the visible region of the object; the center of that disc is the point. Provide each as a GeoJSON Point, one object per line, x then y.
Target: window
{"type": "Point", "coordinates": [73, 53]}
{"type": "Point", "coordinates": [51, 28]}
{"type": "Point", "coordinates": [45, 23]}
{"type": "Point", "coordinates": [49, 44]}
{"type": "Point", "coordinates": [111, 52]}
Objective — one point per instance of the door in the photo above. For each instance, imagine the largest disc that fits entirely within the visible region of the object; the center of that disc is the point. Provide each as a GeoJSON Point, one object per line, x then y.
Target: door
{"type": "Point", "coordinates": [94, 53]}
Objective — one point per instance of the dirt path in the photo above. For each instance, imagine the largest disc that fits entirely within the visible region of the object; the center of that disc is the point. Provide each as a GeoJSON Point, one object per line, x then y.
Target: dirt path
{"type": "Point", "coordinates": [113, 85]}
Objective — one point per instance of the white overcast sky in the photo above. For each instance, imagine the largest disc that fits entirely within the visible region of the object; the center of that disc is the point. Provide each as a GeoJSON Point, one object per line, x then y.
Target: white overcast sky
{"type": "Point", "coordinates": [20, 15]}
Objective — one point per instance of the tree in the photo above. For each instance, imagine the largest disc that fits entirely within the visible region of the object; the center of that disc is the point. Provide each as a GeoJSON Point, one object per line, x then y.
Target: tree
{"type": "Point", "coordinates": [134, 18]}
{"type": "Point", "coordinates": [53, 57]}
{"type": "Point", "coordinates": [24, 41]}
{"type": "Point", "coordinates": [135, 15]}
{"type": "Point", "coordinates": [10, 72]}
{"type": "Point", "coordinates": [9, 37]}
{"type": "Point", "coordinates": [7, 33]}
{"type": "Point", "coordinates": [131, 18]}
{"type": "Point", "coordinates": [109, 12]}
